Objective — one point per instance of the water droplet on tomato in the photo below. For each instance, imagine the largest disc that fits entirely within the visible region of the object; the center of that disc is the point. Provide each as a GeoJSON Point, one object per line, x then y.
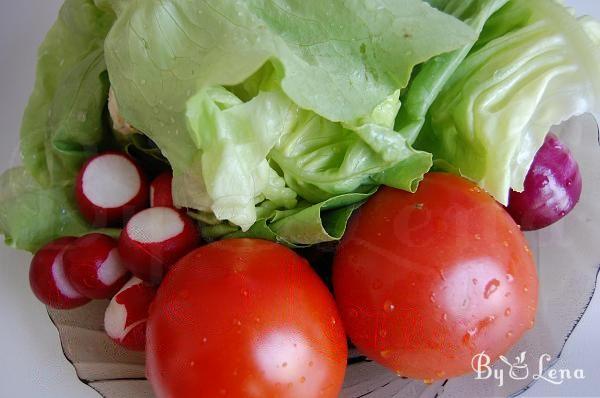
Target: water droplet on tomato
{"type": "Point", "coordinates": [505, 243]}
{"type": "Point", "coordinates": [507, 312]}
{"type": "Point", "coordinates": [510, 278]}
{"type": "Point", "coordinates": [442, 275]}
{"type": "Point", "coordinates": [204, 340]}
{"type": "Point", "coordinates": [432, 298]}
{"type": "Point", "coordinates": [525, 289]}
{"type": "Point", "coordinates": [490, 288]}
{"type": "Point", "coordinates": [310, 364]}
{"type": "Point", "coordinates": [428, 381]}
{"type": "Point", "coordinates": [531, 324]}
{"type": "Point", "coordinates": [245, 292]}
{"type": "Point", "coordinates": [382, 333]}
{"type": "Point", "coordinates": [284, 365]}
{"type": "Point", "coordinates": [509, 334]}
{"type": "Point", "coordinates": [477, 237]}
{"type": "Point", "coordinates": [388, 306]}
{"type": "Point", "coordinates": [440, 374]}
{"type": "Point", "coordinates": [445, 317]}
{"type": "Point", "coordinates": [474, 281]}
{"type": "Point", "coordinates": [302, 379]}
{"type": "Point", "coordinates": [223, 391]}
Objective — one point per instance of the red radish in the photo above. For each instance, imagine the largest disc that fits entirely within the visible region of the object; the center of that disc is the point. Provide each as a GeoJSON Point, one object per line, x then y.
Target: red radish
{"type": "Point", "coordinates": [110, 188]}
{"type": "Point", "coordinates": [160, 190]}
{"type": "Point", "coordinates": [48, 280]}
{"type": "Point", "coordinates": [93, 266]}
{"type": "Point", "coordinates": [126, 315]}
{"type": "Point", "coordinates": [154, 239]}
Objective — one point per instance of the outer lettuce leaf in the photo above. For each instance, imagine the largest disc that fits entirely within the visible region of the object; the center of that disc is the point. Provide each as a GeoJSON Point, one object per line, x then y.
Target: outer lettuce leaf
{"type": "Point", "coordinates": [433, 75]}
{"type": "Point", "coordinates": [536, 65]}
{"type": "Point", "coordinates": [31, 215]}
{"type": "Point", "coordinates": [334, 61]}
{"type": "Point", "coordinates": [62, 126]}
{"type": "Point", "coordinates": [63, 122]}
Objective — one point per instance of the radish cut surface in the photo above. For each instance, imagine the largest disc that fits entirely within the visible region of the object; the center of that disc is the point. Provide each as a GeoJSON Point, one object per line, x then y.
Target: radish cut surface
{"type": "Point", "coordinates": [111, 181]}
{"type": "Point", "coordinates": [155, 225]}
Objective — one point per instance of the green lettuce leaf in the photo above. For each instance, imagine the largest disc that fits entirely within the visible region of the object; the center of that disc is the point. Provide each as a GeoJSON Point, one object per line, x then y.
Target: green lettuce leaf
{"type": "Point", "coordinates": [305, 225]}
{"type": "Point", "coordinates": [330, 67]}
{"type": "Point", "coordinates": [534, 66]}
{"type": "Point", "coordinates": [32, 215]}
{"type": "Point", "coordinates": [63, 122]}
{"type": "Point", "coordinates": [431, 77]}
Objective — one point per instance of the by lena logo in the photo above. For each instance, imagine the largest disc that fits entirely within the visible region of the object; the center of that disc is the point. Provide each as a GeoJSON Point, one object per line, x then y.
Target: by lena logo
{"type": "Point", "coordinates": [519, 369]}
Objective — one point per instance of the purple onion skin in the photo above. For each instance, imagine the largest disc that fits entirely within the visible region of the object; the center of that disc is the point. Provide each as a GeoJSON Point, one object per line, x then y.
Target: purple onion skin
{"type": "Point", "coordinates": [552, 187]}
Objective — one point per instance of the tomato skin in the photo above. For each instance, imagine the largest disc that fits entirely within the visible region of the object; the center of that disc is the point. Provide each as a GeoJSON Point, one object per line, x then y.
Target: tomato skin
{"type": "Point", "coordinates": [424, 281]}
{"type": "Point", "coordinates": [244, 318]}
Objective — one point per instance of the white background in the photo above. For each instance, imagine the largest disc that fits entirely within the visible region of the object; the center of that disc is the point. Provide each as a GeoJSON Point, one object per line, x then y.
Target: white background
{"type": "Point", "coordinates": [31, 361]}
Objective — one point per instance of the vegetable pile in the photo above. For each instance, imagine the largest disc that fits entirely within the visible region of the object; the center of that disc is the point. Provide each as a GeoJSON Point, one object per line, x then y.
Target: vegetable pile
{"type": "Point", "coordinates": [157, 126]}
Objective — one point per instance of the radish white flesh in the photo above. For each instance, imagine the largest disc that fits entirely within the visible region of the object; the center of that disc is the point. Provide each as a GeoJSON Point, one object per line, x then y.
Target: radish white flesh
{"type": "Point", "coordinates": [126, 315]}
{"type": "Point", "coordinates": [94, 267]}
{"type": "Point", "coordinates": [155, 225]}
{"type": "Point", "coordinates": [111, 181]}
{"type": "Point", "coordinates": [110, 187]}
{"type": "Point", "coordinates": [154, 239]}
{"type": "Point", "coordinates": [48, 280]}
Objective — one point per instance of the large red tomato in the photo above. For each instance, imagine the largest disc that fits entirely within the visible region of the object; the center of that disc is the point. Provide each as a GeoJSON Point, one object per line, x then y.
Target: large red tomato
{"type": "Point", "coordinates": [244, 318]}
{"type": "Point", "coordinates": [424, 281]}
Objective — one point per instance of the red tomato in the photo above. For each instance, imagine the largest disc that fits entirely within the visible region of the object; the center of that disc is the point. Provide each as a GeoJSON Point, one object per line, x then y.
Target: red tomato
{"type": "Point", "coordinates": [244, 318]}
{"type": "Point", "coordinates": [424, 281]}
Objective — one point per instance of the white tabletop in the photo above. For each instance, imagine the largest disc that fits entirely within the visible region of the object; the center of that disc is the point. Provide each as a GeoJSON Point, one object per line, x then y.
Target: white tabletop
{"type": "Point", "coordinates": [31, 360]}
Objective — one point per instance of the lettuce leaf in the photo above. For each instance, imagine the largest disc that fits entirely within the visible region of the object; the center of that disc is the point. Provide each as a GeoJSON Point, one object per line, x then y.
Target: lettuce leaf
{"type": "Point", "coordinates": [62, 126]}
{"type": "Point", "coordinates": [431, 77]}
{"type": "Point", "coordinates": [32, 215]}
{"type": "Point", "coordinates": [307, 224]}
{"type": "Point", "coordinates": [63, 122]}
{"type": "Point", "coordinates": [306, 67]}
{"type": "Point", "coordinates": [535, 65]}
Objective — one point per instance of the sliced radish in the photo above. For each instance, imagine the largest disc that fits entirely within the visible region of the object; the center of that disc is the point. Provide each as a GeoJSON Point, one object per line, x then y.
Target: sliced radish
{"type": "Point", "coordinates": [126, 315]}
{"type": "Point", "coordinates": [154, 239]}
{"type": "Point", "coordinates": [161, 194]}
{"type": "Point", "coordinates": [94, 267]}
{"type": "Point", "coordinates": [110, 188]}
{"type": "Point", "coordinates": [48, 280]}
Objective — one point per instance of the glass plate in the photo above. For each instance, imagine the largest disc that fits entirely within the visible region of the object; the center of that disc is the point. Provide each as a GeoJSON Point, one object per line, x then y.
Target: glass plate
{"type": "Point", "coordinates": [568, 258]}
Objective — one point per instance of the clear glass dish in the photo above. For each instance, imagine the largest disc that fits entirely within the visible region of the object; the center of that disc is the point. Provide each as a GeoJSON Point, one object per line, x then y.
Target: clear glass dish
{"type": "Point", "coordinates": [568, 260]}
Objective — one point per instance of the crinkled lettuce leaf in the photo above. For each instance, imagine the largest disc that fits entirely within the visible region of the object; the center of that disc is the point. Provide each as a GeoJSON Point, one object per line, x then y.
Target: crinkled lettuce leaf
{"type": "Point", "coordinates": [310, 76]}
{"type": "Point", "coordinates": [32, 215]}
{"type": "Point", "coordinates": [306, 224]}
{"type": "Point", "coordinates": [63, 122]}
{"type": "Point", "coordinates": [534, 66]}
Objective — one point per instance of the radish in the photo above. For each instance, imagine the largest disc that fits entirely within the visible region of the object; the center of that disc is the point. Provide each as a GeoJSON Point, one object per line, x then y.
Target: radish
{"type": "Point", "coordinates": [110, 188]}
{"type": "Point", "coordinates": [93, 266]}
{"type": "Point", "coordinates": [154, 239]}
{"type": "Point", "coordinates": [161, 190]}
{"type": "Point", "coordinates": [126, 315]}
{"type": "Point", "coordinates": [48, 280]}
